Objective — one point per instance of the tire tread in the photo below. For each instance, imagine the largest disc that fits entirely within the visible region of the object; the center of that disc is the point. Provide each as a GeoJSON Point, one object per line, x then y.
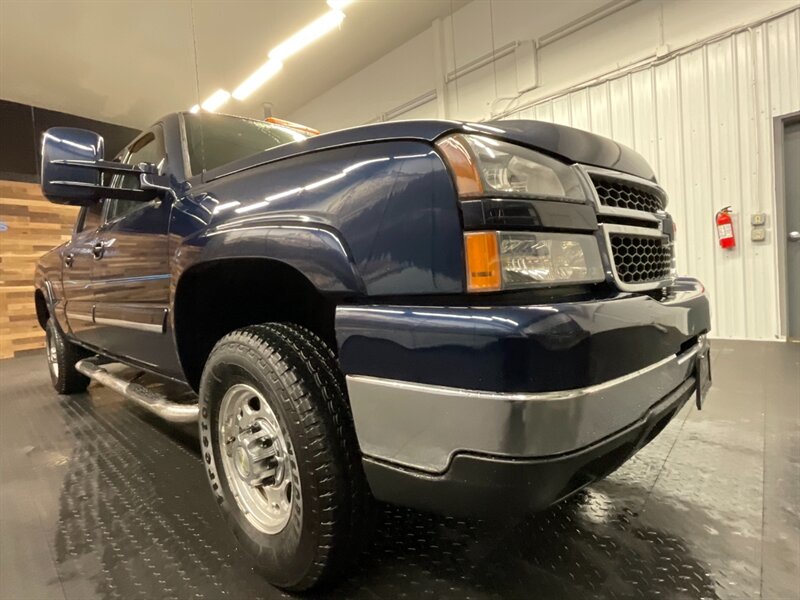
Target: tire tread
{"type": "Point", "coordinates": [316, 399]}
{"type": "Point", "coordinates": [70, 380]}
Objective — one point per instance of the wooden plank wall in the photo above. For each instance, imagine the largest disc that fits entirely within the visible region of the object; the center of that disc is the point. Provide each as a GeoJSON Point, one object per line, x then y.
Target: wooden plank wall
{"type": "Point", "coordinates": [34, 226]}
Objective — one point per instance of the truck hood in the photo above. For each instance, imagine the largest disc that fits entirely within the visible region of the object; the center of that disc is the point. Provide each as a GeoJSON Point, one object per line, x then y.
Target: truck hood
{"type": "Point", "coordinates": [575, 145]}
{"type": "Point", "coordinates": [570, 144]}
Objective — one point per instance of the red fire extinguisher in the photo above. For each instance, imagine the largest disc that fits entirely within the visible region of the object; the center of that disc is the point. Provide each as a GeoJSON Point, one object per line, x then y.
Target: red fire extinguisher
{"type": "Point", "coordinates": [727, 239]}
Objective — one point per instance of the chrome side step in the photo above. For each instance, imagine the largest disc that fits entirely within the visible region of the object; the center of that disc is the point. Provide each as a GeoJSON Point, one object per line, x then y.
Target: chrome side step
{"type": "Point", "coordinates": [145, 397]}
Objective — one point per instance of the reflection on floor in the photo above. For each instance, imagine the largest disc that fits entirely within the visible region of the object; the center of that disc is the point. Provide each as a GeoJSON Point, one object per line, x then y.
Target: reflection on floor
{"type": "Point", "coordinates": [100, 500]}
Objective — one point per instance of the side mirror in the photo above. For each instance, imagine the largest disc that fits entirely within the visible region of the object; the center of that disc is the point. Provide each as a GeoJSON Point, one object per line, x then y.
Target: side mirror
{"type": "Point", "coordinates": [73, 169]}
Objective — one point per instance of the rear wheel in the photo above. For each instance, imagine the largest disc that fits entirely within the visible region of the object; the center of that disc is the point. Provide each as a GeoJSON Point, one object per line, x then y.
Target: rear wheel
{"type": "Point", "coordinates": [280, 452]}
{"type": "Point", "coordinates": [61, 358]}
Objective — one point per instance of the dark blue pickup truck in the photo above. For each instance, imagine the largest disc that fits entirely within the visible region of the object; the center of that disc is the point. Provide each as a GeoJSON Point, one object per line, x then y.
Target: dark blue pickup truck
{"type": "Point", "coordinates": [470, 318]}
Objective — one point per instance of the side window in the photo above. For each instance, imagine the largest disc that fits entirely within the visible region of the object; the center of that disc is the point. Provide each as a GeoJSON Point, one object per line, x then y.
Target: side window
{"type": "Point", "coordinates": [90, 217]}
{"type": "Point", "coordinates": [148, 148]}
{"type": "Point", "coordinates": [119, 208]}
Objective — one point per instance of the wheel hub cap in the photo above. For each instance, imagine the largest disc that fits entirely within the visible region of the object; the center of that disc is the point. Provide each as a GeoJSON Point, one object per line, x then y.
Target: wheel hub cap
{"type": "Point", "coordinates": [258, 465]}
{"type": "Point", "coordinates": [257, 455]}
{"type": "Point", "coordinates": [52, 354]}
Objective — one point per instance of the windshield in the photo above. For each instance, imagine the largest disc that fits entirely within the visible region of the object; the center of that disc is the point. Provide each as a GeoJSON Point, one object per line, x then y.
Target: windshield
{"type": "Point", "coordinates": [215, 140]}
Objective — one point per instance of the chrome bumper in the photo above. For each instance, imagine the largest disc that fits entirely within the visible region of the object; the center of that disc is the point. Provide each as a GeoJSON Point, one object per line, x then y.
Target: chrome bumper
{"type": "Point", "coordinates": [423, 426]}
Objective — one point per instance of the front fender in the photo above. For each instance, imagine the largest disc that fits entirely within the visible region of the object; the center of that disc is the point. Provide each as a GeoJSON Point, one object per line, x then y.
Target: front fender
{"type": "Point", "coordinates": [384, 215]}
{"type": "Point", "coordinates": [316, 251]}
{"type": "Point", "coordinates": [47, 280]}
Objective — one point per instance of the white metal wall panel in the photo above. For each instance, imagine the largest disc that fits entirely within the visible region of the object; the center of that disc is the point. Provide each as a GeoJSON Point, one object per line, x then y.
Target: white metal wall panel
{"type": "Point", "coordinates": [600, 110]}
{"type": "Point", "coordinates": [621, 126]}
{"type": "Point", "coordinates": [704, 121]}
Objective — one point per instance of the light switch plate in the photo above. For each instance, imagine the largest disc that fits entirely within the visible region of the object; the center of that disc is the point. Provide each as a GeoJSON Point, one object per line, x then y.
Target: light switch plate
{"type": "Point", "coordinates": [758, 219]}
{"type": "Point", "coordinates": [758, 234]}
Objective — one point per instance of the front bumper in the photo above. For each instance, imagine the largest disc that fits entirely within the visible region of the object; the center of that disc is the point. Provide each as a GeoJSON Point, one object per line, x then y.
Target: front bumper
{"type": "Point", "coordinates": [424, 427]}
{"type": "Point", "coordinates": [491, 485]}
{"type": "Point", "coordinates": [524, 349]}
{"type": "Point", "coordinates": [543, 390]}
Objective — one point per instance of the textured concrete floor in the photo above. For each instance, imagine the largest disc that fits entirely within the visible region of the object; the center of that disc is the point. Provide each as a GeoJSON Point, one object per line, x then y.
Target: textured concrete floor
{"type": "Point", "coordinates": [101, 500]}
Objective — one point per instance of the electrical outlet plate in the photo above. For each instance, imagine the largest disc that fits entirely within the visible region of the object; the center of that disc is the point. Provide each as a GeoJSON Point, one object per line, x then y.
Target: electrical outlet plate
{"type": "Point", "coordinates": [758, 219]}
{"type": "Point", "coordinates": [758, 234]}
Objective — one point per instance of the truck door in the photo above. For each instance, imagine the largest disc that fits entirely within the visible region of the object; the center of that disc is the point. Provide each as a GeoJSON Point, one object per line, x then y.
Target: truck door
{"type": "Point", "coordinates": [77, 271]}
{"type": "Point", "coordinates": [131, 274]}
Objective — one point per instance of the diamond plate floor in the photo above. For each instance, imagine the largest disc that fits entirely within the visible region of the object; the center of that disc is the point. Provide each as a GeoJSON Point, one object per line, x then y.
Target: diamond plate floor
{"type": "Point", "coordinates": [98, 499]}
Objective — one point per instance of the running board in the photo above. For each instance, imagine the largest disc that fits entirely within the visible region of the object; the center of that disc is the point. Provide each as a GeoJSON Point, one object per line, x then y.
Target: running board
{"type": "Point", "coordinates": [145, 397]}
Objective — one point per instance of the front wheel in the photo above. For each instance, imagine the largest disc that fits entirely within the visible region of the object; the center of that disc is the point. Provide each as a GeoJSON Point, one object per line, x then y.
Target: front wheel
{"type": "Point", "coordinates": [280, 452]}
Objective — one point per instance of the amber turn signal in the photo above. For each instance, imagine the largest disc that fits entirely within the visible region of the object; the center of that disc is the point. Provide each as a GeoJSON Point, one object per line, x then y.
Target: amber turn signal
{"type": "Point", "coordinates": [483, 261]}
{"type": "Point", "coordinates": [458, 155]}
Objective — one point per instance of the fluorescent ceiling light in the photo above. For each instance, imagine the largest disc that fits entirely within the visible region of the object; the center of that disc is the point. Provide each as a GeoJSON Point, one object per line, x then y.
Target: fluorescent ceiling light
{"type": "Point", "coordinates": [225, 206]}
{"type": "Point", "coordinates": [358, 165]}
{"type": "Point", "coordinates": [474, 126]}
{"type": "Point", "coordinates": [268, 199]}
{"type": "Point", "coordinates": [257, 79]}
{"type": "Point", "coordinates": [339, 4]}
{"type": "Point", "coordinates": [315, 30]}
{"type": "Point", "coordinates": [215, 100]}
{"type": "Point", "coordinates": [327, 180]}
{"type": "Point", "coordinates": [195, 109]}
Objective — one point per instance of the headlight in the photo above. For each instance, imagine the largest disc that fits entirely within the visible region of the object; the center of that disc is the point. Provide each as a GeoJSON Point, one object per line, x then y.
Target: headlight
{"type": "Point", "coordinates": [484, 166]}
{"type": "Point", "coordinates": [499, 260]}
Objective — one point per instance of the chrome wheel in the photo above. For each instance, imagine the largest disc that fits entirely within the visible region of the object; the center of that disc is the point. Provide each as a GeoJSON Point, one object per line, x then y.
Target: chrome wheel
{"type": "Point", "coordinates": [52, 354]}
{"type": "Point", "coordinates": [259, 464]}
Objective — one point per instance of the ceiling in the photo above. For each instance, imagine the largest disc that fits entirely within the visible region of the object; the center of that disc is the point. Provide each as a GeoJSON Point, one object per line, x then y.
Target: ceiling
{"type": "Point", "coordinates": [130, 62]}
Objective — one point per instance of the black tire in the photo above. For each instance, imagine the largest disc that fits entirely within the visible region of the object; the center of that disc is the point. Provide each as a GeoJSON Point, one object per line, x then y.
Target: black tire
{"type": "Point", "coordinates": [296, 373]}
{"type": "Point", "coordinates": [61, 358]}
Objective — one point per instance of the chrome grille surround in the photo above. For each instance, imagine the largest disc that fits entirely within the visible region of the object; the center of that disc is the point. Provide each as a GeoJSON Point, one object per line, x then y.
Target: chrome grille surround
{"type": "Point", "coordinates": [641, 257]}
{"type": "Point", "coordinates": [623, 193]}
{"type": "Point", "coordinates": [590, 174]}
{"type": "Point", "coordinates": [654, 259]}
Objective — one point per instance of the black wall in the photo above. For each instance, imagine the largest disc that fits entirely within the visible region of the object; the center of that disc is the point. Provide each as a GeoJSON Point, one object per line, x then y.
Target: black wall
{"type": "Point", "coordinates": [21, 129]}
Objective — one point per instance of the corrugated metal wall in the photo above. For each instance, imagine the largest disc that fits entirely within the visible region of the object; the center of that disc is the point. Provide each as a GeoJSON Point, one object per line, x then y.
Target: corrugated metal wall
{"type": "Point", "coordinates": [704, 121]}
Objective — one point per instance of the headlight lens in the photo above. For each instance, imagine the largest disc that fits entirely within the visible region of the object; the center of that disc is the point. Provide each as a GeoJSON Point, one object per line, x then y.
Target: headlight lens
{"type": "Point", "coordinates": [485, 166]}
{"type": "Point", "coordinates": [510, 260]}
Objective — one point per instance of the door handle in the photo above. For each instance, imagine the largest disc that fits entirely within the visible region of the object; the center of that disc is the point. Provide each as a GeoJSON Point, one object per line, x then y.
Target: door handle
{"type": "Point", "coordinates": [69, 259]}
{"type": "Point", "coordinates": [794, 236]}
{"type": "Point", "coordinates": [98, 249]}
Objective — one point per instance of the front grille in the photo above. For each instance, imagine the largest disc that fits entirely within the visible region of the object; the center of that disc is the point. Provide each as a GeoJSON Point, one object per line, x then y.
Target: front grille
{"type": "Point", "coordinates": [618, 193]}
{"type": "Point", "coordinates": [630, 211]}
{"type": "Point", "coordinates": [641, 259]}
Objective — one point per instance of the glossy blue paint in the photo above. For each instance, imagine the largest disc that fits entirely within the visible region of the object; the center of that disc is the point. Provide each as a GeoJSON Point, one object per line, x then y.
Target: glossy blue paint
{"type": "Point", "coordinates": [570, 144]}
{"type": "Point", "coordinates": [574, 145]}
{"type": "Point", "coordinates": [371, 213]}
{"type": "Point", "coordinates": [533, 348]}
{"type": "Point", "coordinates": [131, 283]}
{"type": "Point", "coordinates": [357, 219]}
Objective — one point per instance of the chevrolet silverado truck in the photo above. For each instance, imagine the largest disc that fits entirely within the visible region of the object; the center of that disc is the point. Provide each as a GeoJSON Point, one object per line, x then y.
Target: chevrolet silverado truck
{"type": "Point", "coordinates": [469, 318]}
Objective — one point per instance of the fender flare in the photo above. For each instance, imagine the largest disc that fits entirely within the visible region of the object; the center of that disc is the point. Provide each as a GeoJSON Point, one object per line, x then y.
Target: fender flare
{"type": "Point", "coordinates": [316, 251]}
{"type": "Point", "coordinates": [44, 287]}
